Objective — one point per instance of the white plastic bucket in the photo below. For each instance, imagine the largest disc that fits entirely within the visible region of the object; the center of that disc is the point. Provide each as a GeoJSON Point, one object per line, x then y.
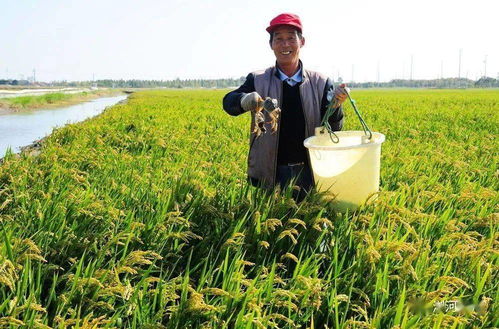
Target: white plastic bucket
{"type": "Point", "coordinates": [347, 171]}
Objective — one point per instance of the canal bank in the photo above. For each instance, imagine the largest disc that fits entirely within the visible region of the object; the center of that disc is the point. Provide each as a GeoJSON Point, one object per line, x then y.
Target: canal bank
{"type": "Point", "coordinates": [24, 131]}
{"type": "Point", "coordinates": [52, 100]}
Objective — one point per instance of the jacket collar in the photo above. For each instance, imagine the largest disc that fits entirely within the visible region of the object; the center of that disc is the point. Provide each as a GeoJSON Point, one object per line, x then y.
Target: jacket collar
{"type": "Point", "coordinates": [303, 73]}
{"type": "Point", "coordinates": [292, 80]}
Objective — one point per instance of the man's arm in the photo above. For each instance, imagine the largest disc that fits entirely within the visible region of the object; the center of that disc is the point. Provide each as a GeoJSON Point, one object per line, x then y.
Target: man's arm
{"type": "Point", "coordinates": [232, 101]}
{"type": "Point", "coordinates": [336, 120]}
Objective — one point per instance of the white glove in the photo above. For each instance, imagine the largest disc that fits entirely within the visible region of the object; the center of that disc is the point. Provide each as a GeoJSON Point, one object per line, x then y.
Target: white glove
{"type": "Point", "coordinates": [251, 101]}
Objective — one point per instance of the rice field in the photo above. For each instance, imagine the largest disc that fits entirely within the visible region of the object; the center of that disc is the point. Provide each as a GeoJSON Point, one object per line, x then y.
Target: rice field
{"type": "Point", "coordinates": [142, 218]}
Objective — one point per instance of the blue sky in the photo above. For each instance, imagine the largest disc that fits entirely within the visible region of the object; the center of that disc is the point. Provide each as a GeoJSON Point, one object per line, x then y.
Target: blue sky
{"type": "Point", "coordinates": [75, 40]}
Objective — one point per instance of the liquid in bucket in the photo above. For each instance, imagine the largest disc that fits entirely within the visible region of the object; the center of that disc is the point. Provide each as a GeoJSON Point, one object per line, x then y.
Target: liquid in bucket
{"type": "Point", "coordinates": [347, 171]}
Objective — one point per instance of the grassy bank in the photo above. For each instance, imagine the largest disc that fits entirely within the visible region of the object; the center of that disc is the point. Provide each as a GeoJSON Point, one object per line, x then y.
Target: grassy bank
{"type": "Point", "coordinates": [142, 218]}
{"type": "Point", "coordinates": [52, 99]}
{"type": "Point", "coordinates": [20, 87]}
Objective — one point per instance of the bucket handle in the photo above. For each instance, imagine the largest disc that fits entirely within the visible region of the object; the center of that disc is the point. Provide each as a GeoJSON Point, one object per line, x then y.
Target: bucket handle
{"type": "Point", "coordinates": [331, 110]}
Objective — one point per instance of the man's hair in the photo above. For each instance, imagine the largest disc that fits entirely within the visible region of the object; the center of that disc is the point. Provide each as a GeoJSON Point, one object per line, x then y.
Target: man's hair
{"type": "Point", "coordinates": [298, 33]}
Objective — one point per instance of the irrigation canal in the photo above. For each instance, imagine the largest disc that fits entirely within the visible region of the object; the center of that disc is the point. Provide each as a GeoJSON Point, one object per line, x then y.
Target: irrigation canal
{"type": "Point", "coordinates": [19, 129]}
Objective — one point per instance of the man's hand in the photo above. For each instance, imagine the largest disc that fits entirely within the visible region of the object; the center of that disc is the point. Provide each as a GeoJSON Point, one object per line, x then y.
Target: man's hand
{"type": "Point", "coordinates": [340, 95]}
{"type": "Point", "coordinates": [251, 102]}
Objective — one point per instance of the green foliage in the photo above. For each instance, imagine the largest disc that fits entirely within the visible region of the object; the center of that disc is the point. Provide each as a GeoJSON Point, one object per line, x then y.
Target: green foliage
{"type": "Point", "coordinates": [142, 218]}
{"type": "Point", "coordinates": [53, 99]}
{"type": "Point", "coordinates": [26, 101]}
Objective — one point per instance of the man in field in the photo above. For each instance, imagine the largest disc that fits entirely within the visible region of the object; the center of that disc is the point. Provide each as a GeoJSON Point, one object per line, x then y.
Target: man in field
{"type": "Point", "coordinates": [303, 96]}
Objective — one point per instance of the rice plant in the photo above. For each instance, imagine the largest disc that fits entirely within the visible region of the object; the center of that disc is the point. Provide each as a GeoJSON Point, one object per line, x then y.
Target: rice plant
{"type": "Point", "coordinates": [142, 218]}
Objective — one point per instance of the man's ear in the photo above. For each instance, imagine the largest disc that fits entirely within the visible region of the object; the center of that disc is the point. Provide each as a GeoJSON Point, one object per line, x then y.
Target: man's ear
{"type": "Point", "coordinates": [302, 42]}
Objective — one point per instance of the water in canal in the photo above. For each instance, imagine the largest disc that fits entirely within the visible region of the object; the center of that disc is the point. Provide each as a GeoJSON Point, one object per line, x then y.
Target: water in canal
{"type": "Point", "coordinates": [22, 128]}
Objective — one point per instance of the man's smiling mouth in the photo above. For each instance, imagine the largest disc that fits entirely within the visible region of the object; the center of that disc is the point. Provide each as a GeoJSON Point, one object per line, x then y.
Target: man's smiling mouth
{"type": "Point", "coordinates": [285, 52]}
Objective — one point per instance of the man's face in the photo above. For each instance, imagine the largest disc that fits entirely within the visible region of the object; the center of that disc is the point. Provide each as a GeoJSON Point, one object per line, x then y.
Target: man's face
{"type": "Point", "coordinates": [286, 45]}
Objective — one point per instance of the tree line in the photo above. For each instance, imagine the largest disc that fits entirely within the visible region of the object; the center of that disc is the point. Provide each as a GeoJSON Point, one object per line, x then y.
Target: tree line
{"type": "Point", "coordinates": [484, 82]}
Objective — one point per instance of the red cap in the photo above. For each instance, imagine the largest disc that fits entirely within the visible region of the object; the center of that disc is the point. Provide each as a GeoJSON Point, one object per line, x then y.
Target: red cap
{"type": "Point", "coordinates": [285, 19]}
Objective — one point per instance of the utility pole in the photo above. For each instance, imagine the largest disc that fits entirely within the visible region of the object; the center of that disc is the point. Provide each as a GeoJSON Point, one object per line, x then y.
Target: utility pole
{"type": "Point", "coordinates": [378, 72]}
{"type": "Point", "coordinates": [485, 67]}
{"type": "Point", "coordinates": [460, 55]}
{"type": "Point", "coordinates": [34, 75]}
{"type": "Point", "coordinates": [412, 58]}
